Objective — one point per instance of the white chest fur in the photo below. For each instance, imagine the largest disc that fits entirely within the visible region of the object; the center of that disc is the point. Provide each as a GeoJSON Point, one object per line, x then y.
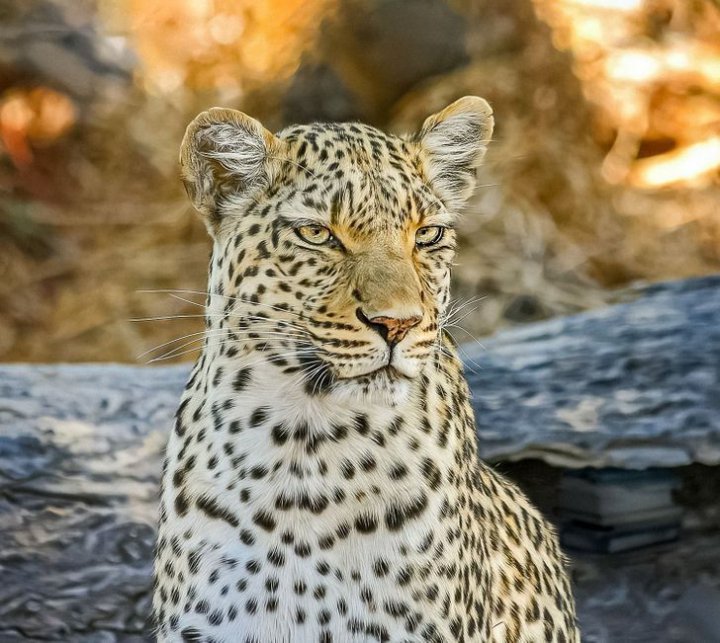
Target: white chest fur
{"type": "Point", "coordinates": [303, 518]}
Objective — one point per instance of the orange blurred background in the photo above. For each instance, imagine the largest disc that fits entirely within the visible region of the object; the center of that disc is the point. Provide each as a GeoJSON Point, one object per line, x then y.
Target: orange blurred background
{"type": "Point", "coordinates": [604, 172]}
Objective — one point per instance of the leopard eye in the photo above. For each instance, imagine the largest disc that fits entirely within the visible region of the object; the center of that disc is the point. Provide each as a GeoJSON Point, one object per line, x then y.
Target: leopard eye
{"type": "Point", "coordinates": [314, 234]}
{"type": "Point", "coordinates": [429, 235]}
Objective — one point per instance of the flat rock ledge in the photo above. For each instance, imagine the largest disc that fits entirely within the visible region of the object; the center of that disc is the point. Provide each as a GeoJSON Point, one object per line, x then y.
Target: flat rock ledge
{"type": "Point", "coordinates": [633, 385]}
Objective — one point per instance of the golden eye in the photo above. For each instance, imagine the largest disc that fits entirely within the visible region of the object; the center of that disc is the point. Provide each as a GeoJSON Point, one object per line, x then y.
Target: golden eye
{"type": "Point", "coordinates": [429, 235]}
{"type": "Point", "coordinates": [315, 234]}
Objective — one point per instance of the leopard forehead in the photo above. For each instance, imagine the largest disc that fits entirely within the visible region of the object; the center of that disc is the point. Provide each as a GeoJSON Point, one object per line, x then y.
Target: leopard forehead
{"type": "Point", "coordinates": [377, 176]}
{"type": "Point", "coordinates": [349, 175]}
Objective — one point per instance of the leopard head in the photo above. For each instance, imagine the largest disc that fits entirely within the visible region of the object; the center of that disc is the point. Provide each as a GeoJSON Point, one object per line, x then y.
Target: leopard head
{"type": "Point", "coordinates": [333, 242]}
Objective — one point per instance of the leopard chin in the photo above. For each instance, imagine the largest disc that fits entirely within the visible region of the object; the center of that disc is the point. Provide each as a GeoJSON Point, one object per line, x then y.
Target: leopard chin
{"type": "Point", "coordinates": [377, 388]}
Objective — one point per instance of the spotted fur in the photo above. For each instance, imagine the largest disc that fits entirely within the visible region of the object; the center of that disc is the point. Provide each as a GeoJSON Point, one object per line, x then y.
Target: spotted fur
{"type": "Point", "coordinates": [322, 481]}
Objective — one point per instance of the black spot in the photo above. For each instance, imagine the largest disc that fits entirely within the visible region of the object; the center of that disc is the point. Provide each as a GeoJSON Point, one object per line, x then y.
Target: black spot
{"type": "Point", "coordinates": [362, 426]}
{"type": "Point", "coordinates": [367, 462]}
{"type": "Point", "coordinates": [242, 379]}
{"type": "Point", "coordinates": [326, 542]}
{"type": "Point", "coordinates": [284, 502]}
{"type": "Point", "coordinates": [211, 508]}
{"type": "Point", "coordinates": [347, 469]}
{"type": "Point", "coordinates": [343, 530]}
{"type": "Point", "coordinates": [258, 416]}
{"type": "Point", "coordinates": [398, 514]}
{"type": "Point", "coordinates": [366, 523]}
{"type": "Point", "coordinates": [181, 503]}
{"type": "Point", "coordinates": [191, 635]}
{"type": "Point", "coordinates": [398, 471]}
{"type": "Point", "coordinates": [432, 473]}
{"type": "Point", "coordinates": [264, 519]}
{"type": "Point", "coordinates": [194, 561]}
{"type": "Point", "coordinates": [276, 557]}
{"type": "Point", "coordinates": [280, 434]}
{"type": "Point", "coordinates": [381, 568]}
{"type": "Point", "coordinates": [258, 472]}
{"type": "Point", "coordinates": [302, 549]}
{"type": "Point", "coordinates": [396, 425]}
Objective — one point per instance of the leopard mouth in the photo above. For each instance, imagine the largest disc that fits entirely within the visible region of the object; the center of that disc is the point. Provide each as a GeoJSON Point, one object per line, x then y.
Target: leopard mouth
{"type": "Point", "coordinates": [320, 377]}
{"type": "Point", "coordinates": [388, 371]}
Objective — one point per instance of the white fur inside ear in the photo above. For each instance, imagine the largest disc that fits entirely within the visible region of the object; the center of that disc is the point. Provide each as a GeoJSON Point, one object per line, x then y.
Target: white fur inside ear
{"type": "Point", "coordinates": [239, 150]}
{"type": "Point", "coordinates": [458, 141]}
{"type": "Point", "coordinates": [455, 141]}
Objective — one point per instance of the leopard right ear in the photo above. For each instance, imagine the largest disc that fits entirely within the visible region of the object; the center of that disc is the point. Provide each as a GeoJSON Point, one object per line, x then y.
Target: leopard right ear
{"type": "Point", "coordinates": [453, 144]}
{"type": "Point", "coordinates": [225, 156]}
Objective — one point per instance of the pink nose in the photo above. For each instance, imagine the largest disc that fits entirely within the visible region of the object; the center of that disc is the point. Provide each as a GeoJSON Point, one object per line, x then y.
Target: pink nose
{"type": "Point", "coordinates": [392, 330]}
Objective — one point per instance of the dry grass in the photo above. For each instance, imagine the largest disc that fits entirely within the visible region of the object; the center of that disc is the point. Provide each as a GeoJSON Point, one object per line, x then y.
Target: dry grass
{"type": "Point", "coordinates": [98, 215]}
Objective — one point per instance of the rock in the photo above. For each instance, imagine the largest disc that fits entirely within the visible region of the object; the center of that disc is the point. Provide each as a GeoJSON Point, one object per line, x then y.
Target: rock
{"type": "Point", "coordinates": [633, 385]}
{"type": "Point", "coordinates": [700, 607]}
{"type": "Point", "coordinates": [80, 458]}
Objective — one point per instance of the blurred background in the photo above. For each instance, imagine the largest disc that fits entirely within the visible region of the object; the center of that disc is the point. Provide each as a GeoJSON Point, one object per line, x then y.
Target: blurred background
{"type": "Point", "coordinates": [604, 171]}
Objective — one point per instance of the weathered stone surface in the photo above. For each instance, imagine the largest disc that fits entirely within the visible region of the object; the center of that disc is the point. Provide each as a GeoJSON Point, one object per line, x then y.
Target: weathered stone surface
{"type": "Point", "coordinates": [80, 456]}
{"type": "Point", "coordinates": [632, 385]}
{"type": "Point", "coordinates": [642, 596]}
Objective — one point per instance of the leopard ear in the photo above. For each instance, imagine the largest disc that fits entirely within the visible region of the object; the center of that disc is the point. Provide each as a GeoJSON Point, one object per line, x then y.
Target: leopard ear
{"type": "Point", "coordinates": [225, 155]}
{"type": "Point", "coordinates": [453, 143]}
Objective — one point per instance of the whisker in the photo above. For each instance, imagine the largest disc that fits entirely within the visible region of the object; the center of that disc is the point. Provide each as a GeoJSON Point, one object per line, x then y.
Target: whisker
{"type": "Point", "coordinates": [267, 334]}
{"type": "Point", "coordinates": [175, 291]}
{"type": "Point", "coordinates": [166, 317]}
{"type": "Point", "coordinates": [162, 358]}
{"type": "Point", "coordinates": [455, 309]}
{"type": "Point", "coordinates": [467, 359]}
{"type": "Point", "coordinates": [467, 332]}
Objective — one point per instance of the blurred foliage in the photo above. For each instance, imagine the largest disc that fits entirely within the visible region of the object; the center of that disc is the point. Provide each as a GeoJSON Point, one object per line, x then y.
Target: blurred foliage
{"type": "Point", "coordinates": [604, 169]}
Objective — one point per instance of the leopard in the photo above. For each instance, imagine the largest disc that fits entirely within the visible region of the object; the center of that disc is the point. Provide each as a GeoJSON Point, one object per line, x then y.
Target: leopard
{"type": "Point", "coordinates": [322, 480]}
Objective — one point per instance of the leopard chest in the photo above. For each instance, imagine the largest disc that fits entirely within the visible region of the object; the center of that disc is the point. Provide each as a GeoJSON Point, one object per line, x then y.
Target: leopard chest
{"type": "Point", "coordinates": [279, 525]}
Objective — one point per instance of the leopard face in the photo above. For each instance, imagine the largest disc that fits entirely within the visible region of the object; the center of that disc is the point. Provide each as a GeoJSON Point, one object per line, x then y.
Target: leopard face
{"type": "Point", "coordinates": [333, 242]}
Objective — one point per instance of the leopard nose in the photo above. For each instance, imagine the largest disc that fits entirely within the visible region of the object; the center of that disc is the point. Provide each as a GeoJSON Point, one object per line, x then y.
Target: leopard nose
{"type": "Point", "coordinates": [391, 329]}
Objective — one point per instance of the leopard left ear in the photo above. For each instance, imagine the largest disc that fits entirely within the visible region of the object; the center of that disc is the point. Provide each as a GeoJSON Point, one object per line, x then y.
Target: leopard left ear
{"type": "Point", "coordinates": [225, 155]}
{"type": "Point", "coordinates": [453, 143]}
